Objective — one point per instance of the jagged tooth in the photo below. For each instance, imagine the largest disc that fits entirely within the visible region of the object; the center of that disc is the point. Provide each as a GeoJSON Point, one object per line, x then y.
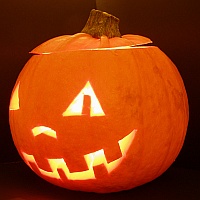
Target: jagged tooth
{"type": "Point", "coordinates": [114, 153]}
{"type": "Point", "coordinates": [98, 158]}
{"type": "Point", "coordinates": [60, 170]}
{"type": "Point", "coordinates": [76, 163]}
{"type": "Point", "coordinates": [95, 158]}
{"type": "Point", "coordinates": [100, 171]}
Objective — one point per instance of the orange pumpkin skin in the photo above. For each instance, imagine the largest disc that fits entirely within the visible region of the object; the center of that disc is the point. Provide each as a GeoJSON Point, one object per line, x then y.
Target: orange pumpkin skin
{"type": "Point", "coordinates": [98, 115]}
{"type": "Point", "coordinates": [138, 88]}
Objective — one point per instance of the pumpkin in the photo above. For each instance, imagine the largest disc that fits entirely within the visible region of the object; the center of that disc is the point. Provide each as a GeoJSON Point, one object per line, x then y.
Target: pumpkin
{"type": "Point", "coordinates": [97, 111]}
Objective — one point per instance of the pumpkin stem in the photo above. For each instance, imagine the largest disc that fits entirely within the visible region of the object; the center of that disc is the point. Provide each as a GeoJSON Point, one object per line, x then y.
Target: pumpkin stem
{"type": "Point", "coordinates": [101, 23]}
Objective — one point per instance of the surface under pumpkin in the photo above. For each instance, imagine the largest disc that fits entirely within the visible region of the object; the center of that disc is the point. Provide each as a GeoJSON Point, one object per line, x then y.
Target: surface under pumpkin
{"type": "Point", "coordinates": [98, 114]}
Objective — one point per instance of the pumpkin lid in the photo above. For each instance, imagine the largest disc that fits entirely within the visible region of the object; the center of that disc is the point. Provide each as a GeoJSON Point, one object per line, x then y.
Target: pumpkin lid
{"type": "Point", "coordinates": [100, 31]}
{"type": "Point", "coordinates": [82, 41]}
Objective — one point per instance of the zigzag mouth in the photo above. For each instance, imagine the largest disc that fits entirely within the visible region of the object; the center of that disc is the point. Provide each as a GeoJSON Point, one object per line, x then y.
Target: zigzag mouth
{"type": "Point", "coordinates": [59, 166]}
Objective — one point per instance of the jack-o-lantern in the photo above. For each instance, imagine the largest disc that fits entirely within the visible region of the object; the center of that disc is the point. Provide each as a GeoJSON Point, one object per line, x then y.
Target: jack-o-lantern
{"type": "Point", "coordinates": [97, 111]}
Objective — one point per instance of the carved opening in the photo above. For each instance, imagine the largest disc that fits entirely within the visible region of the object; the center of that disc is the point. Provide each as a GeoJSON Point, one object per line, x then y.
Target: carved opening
{"type": "Point", "coordinates": [14, 102]}
{"type": "Point", "coordinates": [93, 159]}
{"type": "Point", "coordinates": [76, 108]}
{"type": "Point", "coordinates": [44, 130]}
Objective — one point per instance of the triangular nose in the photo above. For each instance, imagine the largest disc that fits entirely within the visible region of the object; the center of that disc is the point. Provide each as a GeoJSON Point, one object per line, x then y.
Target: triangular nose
{"type": "Point", "coordinates": [77, 108]}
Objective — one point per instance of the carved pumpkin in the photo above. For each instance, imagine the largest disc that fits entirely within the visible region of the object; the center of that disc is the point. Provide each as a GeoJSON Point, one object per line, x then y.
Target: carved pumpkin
{"type": "Point", "coordinates": [98, 113]}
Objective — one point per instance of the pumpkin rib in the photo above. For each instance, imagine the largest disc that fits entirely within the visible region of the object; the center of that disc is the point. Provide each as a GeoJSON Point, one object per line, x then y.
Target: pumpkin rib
{"type": "Point", "coordinates": [185, 100]}
{"type": "Point", "coordinates": [104, 42]}
{"type": "Point", "coordinates": [176, 151]}
{"type": "Point", "coordinates": [52, 44]}
{"type": "Point", "coordinates": [121, 42]}
{"type": "Point", "coordinates": [149, 56]}
{"type": "Point", "coordinates": [185, 104]}
{"type": "Point", "coordinates": [163, 165]}
{"type": "Point", "coordinates": [137, 39]}
{"type": "Point", "coordinates": [142, 168]}
{"type": "Point", "coordinates": [141, 89]}
{"type": "Point", "coordinates": [175, 71]}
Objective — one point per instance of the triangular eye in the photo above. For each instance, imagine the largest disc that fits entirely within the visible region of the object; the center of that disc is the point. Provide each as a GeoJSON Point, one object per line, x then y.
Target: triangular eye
{"type": "Point", "coordinates": [14, 102]}
{"type": "Point", "coordinates": [76, 107]}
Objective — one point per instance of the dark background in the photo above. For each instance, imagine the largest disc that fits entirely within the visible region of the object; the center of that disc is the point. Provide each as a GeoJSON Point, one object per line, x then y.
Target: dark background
{"type": "Point", "coordinates": [173, 26]}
